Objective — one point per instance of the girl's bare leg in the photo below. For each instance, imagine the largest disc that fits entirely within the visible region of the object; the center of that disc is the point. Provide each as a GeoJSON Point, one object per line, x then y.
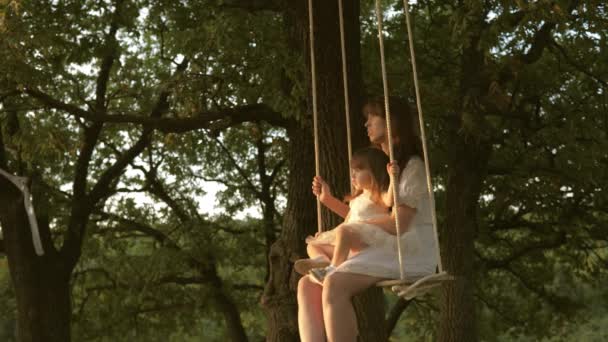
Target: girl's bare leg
{"type": "Point", "coordinates": [310, 311]}
{"type": "Point", "coordinates": [338, 311]}
{"type": "Point", "coordinates": [320, 250]}
{"type": "Point", "coordinates": [346, 240]}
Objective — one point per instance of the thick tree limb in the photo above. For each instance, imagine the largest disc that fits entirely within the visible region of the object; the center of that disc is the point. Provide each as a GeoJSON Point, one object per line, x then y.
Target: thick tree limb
{"type": "Point", "coordinates": [523, 251]}
{"type": "Point", "coordinates": [8, 94]}
{"type": "Point", "coordinates": [156, 234]}
{"type": "Point", "coordinates": [3, 159]}
{"type": "Point", "coordinates": [248, 287]}
{"type": "Point", "coordinates": [395, 314]}
{"type": "Point", "coordinates": [276, 170]}
{"type": "Point", "coordinates": [253, 5]}
{"type": "Point", "coordinates": [542, 39]}
{"type": "Point", "coordinates": [2, 250]}
{"type": "Point", "coordinates": [507, 317]}
{"type": "Point", "coordinates": [82, 205]}
{"type": "Point", "coordinates": [222, 118]}
{"type": "Point", "coordinates": [557, 301]}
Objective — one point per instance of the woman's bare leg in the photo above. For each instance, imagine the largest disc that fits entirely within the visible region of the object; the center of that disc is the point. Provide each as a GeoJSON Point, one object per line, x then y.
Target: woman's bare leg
{"type": "Point", "coordinates": [310, 311]}
{"type": "Point", "coordinates": [338, 311]}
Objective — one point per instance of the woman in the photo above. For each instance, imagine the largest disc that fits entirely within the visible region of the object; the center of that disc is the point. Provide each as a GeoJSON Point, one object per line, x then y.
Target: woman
{"type": "Point", "coordinates": [326, 311]}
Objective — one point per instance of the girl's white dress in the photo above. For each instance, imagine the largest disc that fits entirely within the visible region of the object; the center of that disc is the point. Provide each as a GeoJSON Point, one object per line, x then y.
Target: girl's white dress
{"type": "Point", "coordinates": [418, 243]}
{"type": "Point", "coordinates": [362, 209]}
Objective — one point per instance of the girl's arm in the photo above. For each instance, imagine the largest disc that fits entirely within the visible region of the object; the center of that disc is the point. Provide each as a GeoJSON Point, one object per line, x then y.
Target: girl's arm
{"type": "Point", "coordinates": [336, 206]}
{"type": "Point", "coordinates": [387, 223]}
{"type": "Point", "coordinates": [321, 189]}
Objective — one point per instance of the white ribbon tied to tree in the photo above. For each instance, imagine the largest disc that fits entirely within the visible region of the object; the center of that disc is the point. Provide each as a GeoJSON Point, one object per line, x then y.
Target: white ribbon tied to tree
{"type": "Point", "coordinates": [21, 184]}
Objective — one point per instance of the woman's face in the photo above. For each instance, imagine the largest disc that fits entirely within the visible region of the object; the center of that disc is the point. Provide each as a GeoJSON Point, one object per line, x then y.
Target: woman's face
{"type": "Point", "coordinates": [360, 178]}
{"type": "Point", "coordinates": [376, 128]}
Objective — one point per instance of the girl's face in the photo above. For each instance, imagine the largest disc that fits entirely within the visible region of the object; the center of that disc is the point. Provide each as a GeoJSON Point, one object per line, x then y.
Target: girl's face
{"type": "Point", "coordinates": [376, 128]}
{"type": "Point", "coordinates": [360, 178]}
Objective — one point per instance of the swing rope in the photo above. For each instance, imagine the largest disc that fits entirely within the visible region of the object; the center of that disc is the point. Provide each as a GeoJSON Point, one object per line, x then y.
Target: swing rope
{"type": "Point", "coordinates": [315, 115]}
{"type": "Point", "coordinates": [345, 83]}
{"type": "Point", "coordinates": [390, 137]}
{"type": "Point", "coordinates": [422, 132]}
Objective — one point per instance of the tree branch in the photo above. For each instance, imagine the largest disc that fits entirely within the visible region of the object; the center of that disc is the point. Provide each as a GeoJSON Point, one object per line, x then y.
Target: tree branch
{"type": "Point", "coordinates": [111, 46]}
{"type": "Point", "coordinates": [247, 287]}
{"type": "Point", "coordinates": [576, 65]}
{"type": "Point", "coordinates": [102, 187]}
{"type": "Point", "coordinates": [82, 208]}
{"type": "Point", "coordinates": [133, 225]}
{"type": "Point", "coordinates": [51, 102]}
{"type": "Point", "coordinates": [522, 251]}
{"type": "Point", "coordinates": [183, 280]}
{"type": "Point", "coordinates": [158, 189]}
{"type": "Point", "coordinates": [240, 170]}
{"type": "Point", "coordinates": [275, 170]}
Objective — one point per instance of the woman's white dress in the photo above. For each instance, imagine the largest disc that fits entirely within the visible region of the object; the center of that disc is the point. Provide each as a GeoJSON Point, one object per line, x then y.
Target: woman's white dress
{"type": "Point", "coordinates": [419, 250]}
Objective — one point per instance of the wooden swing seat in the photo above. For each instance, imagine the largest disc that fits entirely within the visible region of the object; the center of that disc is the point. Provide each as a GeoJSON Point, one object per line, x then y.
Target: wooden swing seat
{"type": "Point", "coordinates": [412, 287]}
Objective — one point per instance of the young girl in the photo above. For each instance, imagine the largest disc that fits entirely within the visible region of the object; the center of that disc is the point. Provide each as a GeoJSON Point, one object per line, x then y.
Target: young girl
{"type": "Point", "coordinates": [371, 183]}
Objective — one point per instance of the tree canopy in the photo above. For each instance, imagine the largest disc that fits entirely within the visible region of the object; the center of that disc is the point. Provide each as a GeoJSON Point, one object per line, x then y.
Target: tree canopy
{"type": "Point", "coordinates": [124, 114]}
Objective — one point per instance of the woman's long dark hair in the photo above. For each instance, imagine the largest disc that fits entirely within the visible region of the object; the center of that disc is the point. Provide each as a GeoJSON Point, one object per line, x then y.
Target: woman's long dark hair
{"type": "Point", "coordinates": [406, 142]}
{"type": "Point", "coordinates": [373, 160]}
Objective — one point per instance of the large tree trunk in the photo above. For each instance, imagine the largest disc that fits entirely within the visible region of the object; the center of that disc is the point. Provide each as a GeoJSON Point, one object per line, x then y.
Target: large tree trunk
{"type": "Point", "coordinates": [300, 215]}
{"type": "Point", "coordinates": [468, 156]}
{"type": "Point", "coordinates": [41, 283]}
{"type": "Point", "coordinates": [466, 169]}
{"type": "Point", "coordinates": [279, 299]}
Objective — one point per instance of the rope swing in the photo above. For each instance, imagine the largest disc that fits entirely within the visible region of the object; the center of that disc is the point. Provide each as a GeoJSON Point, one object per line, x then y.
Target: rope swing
{"type": "Point", "coordinates": [409, 287]}
{"type": "Point", "coordinates": [404, 287]}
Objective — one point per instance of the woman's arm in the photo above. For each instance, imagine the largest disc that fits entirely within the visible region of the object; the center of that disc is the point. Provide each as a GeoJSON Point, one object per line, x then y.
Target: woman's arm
{"type": "Point", "coordinates": [387, 197]}
{"type": "Point", "coordinates": [387, 223]}
{"type": "Point", "coordinates": [321, 189]}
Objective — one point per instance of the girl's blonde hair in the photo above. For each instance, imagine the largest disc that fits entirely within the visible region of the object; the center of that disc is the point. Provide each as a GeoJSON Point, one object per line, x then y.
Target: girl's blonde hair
{"type": "Point", "coordinates": [373, 160]}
